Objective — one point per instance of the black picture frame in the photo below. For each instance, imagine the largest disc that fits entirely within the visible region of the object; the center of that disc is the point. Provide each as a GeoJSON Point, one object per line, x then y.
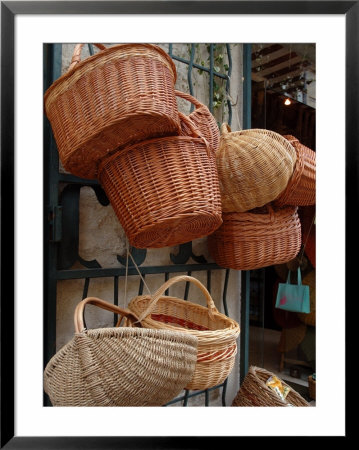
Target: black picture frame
{"type": "Point", "coordinates": [9, 9]}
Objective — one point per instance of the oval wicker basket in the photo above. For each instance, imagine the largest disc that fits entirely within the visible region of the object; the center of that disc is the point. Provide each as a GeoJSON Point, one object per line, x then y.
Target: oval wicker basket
{"type": "Point", "coordinates": [125, 366]}
{"type": "Point", "coordinates": [254, 167]}
{"type": "Point", "coordinates": [255, 392]}
{"type": "Point", "coordinates": [164, 191]}
{"type": "Point", "coordinates": [203, 119]}
{"type": "Point", "coordinates": [217, 334]}
{"type": "Point", "coordinates": [121, 95]}
{"type": "Point", "coordinates": [255, 239]}
{"type": "Point", "coordinates": [300, 190]}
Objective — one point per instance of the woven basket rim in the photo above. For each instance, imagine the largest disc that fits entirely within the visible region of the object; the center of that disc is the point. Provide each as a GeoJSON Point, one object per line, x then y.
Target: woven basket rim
{"type": "Point", "coordinates": [232, 324]}
{"type": "Point", "coordinates": [118, 153]}
{"type": "Point", "coordinates": [101, 54]}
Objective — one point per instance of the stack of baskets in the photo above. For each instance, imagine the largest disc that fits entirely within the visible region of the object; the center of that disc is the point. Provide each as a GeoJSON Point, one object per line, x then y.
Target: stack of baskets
{"type": "Point", "coordinates": [115, 118]}
{"type": "Point", "coordinates": [264, 177]}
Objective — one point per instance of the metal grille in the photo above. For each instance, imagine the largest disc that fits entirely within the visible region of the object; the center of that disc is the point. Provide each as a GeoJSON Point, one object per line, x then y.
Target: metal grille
{"type": "Point", "coordinates": [61, 223]}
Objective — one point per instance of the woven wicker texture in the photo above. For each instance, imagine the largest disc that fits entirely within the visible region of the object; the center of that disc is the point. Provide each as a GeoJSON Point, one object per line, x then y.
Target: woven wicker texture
{"type": "Point", "coordinates": [300, 190]}
{"type": "Point", "coordinates": [203, 120]}
{"type": "Point", "coordinates": [254, 167]}
{"type": "Point", "coordinates": [217, 334]}
{"type": "Point", "coordinates": [254, 392]}
{"type": "Point", "coordinates": [121, 95]}
{"type": "Point", "coordinates": [255, 239]}
{"type": "Point", "coordinates": [164, 191]}
{"type": "Point", "coordinates": [125, 366]}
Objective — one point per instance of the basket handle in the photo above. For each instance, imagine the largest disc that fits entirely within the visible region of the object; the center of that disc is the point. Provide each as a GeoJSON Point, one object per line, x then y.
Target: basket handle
{"type": "Point", "coordinates": [80, 310]}
{"type": "Point", "coordinates": [158, 294]}
{"type": "Point", "coordinates": [76, 56]}
{"type": "Point", "coordinates": [195, 131]}
{"type": "Point", "coordinates": [189, 98]}
{"type": "Point", "coordinates": [225, 128]}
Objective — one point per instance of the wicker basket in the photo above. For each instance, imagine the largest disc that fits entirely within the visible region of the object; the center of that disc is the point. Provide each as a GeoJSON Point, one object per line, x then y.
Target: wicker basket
{"type": "Point", "coordinates": [203, 120]}
{"type": "Point", "coordinates": [311, 387]}
{"type": "Point", "coordinates": [121, 95]}
{"type": "Point", "coordinates": [255, 239]}
{"type": "Point", "coordinates": [254, 167]}
{"type": "Point", "coordinates": [254, 392]}
{"type": "Point", "coordinates": [164, 191]}
{"type": "Point", "coordinates": [300, 190]}
{"type": "Point", "coordinates": [125, 366]}
{"type": "Point", "coordinates": [217, 334]}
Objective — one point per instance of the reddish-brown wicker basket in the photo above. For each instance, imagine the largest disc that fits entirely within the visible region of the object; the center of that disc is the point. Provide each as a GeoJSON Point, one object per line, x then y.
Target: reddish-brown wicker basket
{"type": "Point", "coordinates": [300, 190]}
{"type": "Point", "coordinates": [164, 191]}
{"type": "Point", "coordinates": [255, 239]}
{"type": "Point", "coordinates": [255, 392]}
{"type": "Point", "coordinates": [203, 119]}
{"type": "Point", "coordinates": [119, 96]}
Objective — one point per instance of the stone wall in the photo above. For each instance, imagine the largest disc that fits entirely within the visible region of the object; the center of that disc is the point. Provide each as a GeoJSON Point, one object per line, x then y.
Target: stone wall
{"type": "Point", "coordinates": [102, 237]}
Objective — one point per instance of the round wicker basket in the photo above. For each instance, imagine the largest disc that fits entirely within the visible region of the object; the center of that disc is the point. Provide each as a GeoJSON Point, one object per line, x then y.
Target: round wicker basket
{"type": "Point", "coordinates": [255, 392]}
{"type": "Point", "coordinates": [300, 190]}
{"type": "Point", "coordinates": [121, 95]}
{"type": "Point", "coordinates": [126, 366]}
{"type": "Point", "coordinates": [217, 334]}
{"type": "Point", "coordinates": [254, 167]}
{"type": "Point", "coordinates": [203, 119]}
{"type": "Point", "coordinates": [164, 191]}
{"type": "Point", "coordinates": [255, 239]}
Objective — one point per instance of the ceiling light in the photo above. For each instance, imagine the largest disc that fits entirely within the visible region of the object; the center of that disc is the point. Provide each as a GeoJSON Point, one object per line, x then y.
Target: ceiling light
{"type": "Point", "coordinates": [287, 101]}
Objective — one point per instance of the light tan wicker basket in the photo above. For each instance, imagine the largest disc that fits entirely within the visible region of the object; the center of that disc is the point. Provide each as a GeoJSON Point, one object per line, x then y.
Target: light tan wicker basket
{"type": "Point", "coordinates": [300, 190]}
{"type": "Point", "coordinates": [254, 392]}
{"type": "Point", "coordinates": [257, 238]}
{"type": "Point", "coordinates": [203, 119]}
{"type": "Point", "coordinates": [217, 334]}
{"type": "Point", "coordinates": [254, 167]}
{"type": "Point", "coordinates": [124, 366]}
{"type": "Point", "coordinates": [164, 191]}
{"type": "Point", "coordinates": [121, 95]}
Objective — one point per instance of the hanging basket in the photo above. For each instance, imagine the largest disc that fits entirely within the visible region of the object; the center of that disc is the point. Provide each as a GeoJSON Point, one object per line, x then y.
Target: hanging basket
{"type": "Point", "coordinates": [300, 190]}
{"type": "Point", "coordinates": [255, 239]}
{"type": "Point", "coordinates": [255, 392]}
{"type": "Point", "coordinates": [217, 334]}
{"type": "Point", "coordinates": [124, 366]}
{"type": "Point", "coordinates": [202, 119]}
{"type": "Point", "coordinates": [254, 167]}
{"type": "Point", "coordinates": [164, 191]}
{"type": "Point", "coordinates": [121, 95]}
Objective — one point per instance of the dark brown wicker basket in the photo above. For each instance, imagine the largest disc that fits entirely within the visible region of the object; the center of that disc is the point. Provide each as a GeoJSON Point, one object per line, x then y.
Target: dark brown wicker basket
{"type": "Point", "coordinates": [254, 392]}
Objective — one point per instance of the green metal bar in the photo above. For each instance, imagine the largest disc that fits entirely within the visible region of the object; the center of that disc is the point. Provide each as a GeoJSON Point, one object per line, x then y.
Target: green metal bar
{"type": "Point", "coordinates": [189, 73]}
{"type": "Point", "coordinates": [211, 77]}
{"type": "Point", "coordinates": [228, 82]}
{"type": "Point", "coordinates": [111, 272]}
{"type": "Point", "coordinates": [247, 86]}
{"type": "Point", "coordinates": [244, 339]}
{"type": "Point", "coordinates": [200, 67]}
{"type": "Point", "coordinates": [52, 55]}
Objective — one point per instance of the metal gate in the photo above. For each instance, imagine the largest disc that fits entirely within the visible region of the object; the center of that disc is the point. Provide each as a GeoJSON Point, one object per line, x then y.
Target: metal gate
{"type": "Point", "coordinates": [61, 221]}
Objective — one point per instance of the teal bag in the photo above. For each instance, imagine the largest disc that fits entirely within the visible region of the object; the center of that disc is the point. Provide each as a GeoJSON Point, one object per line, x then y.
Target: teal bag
{"type": "Point", "coordinates": [293, 297]}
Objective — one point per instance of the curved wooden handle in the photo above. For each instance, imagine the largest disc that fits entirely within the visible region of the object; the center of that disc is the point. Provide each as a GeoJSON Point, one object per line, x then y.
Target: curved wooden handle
{"type": "Point", "coordinates": [189, 98]}
{"type": "Point", "coordinates": [158, 294]}
{"type": "Point", "coordinates": [194, 131]}
{"type": "Point", "coordinates": [80, 310]}
{"type": "Point", "coordinates": [76, 56]}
